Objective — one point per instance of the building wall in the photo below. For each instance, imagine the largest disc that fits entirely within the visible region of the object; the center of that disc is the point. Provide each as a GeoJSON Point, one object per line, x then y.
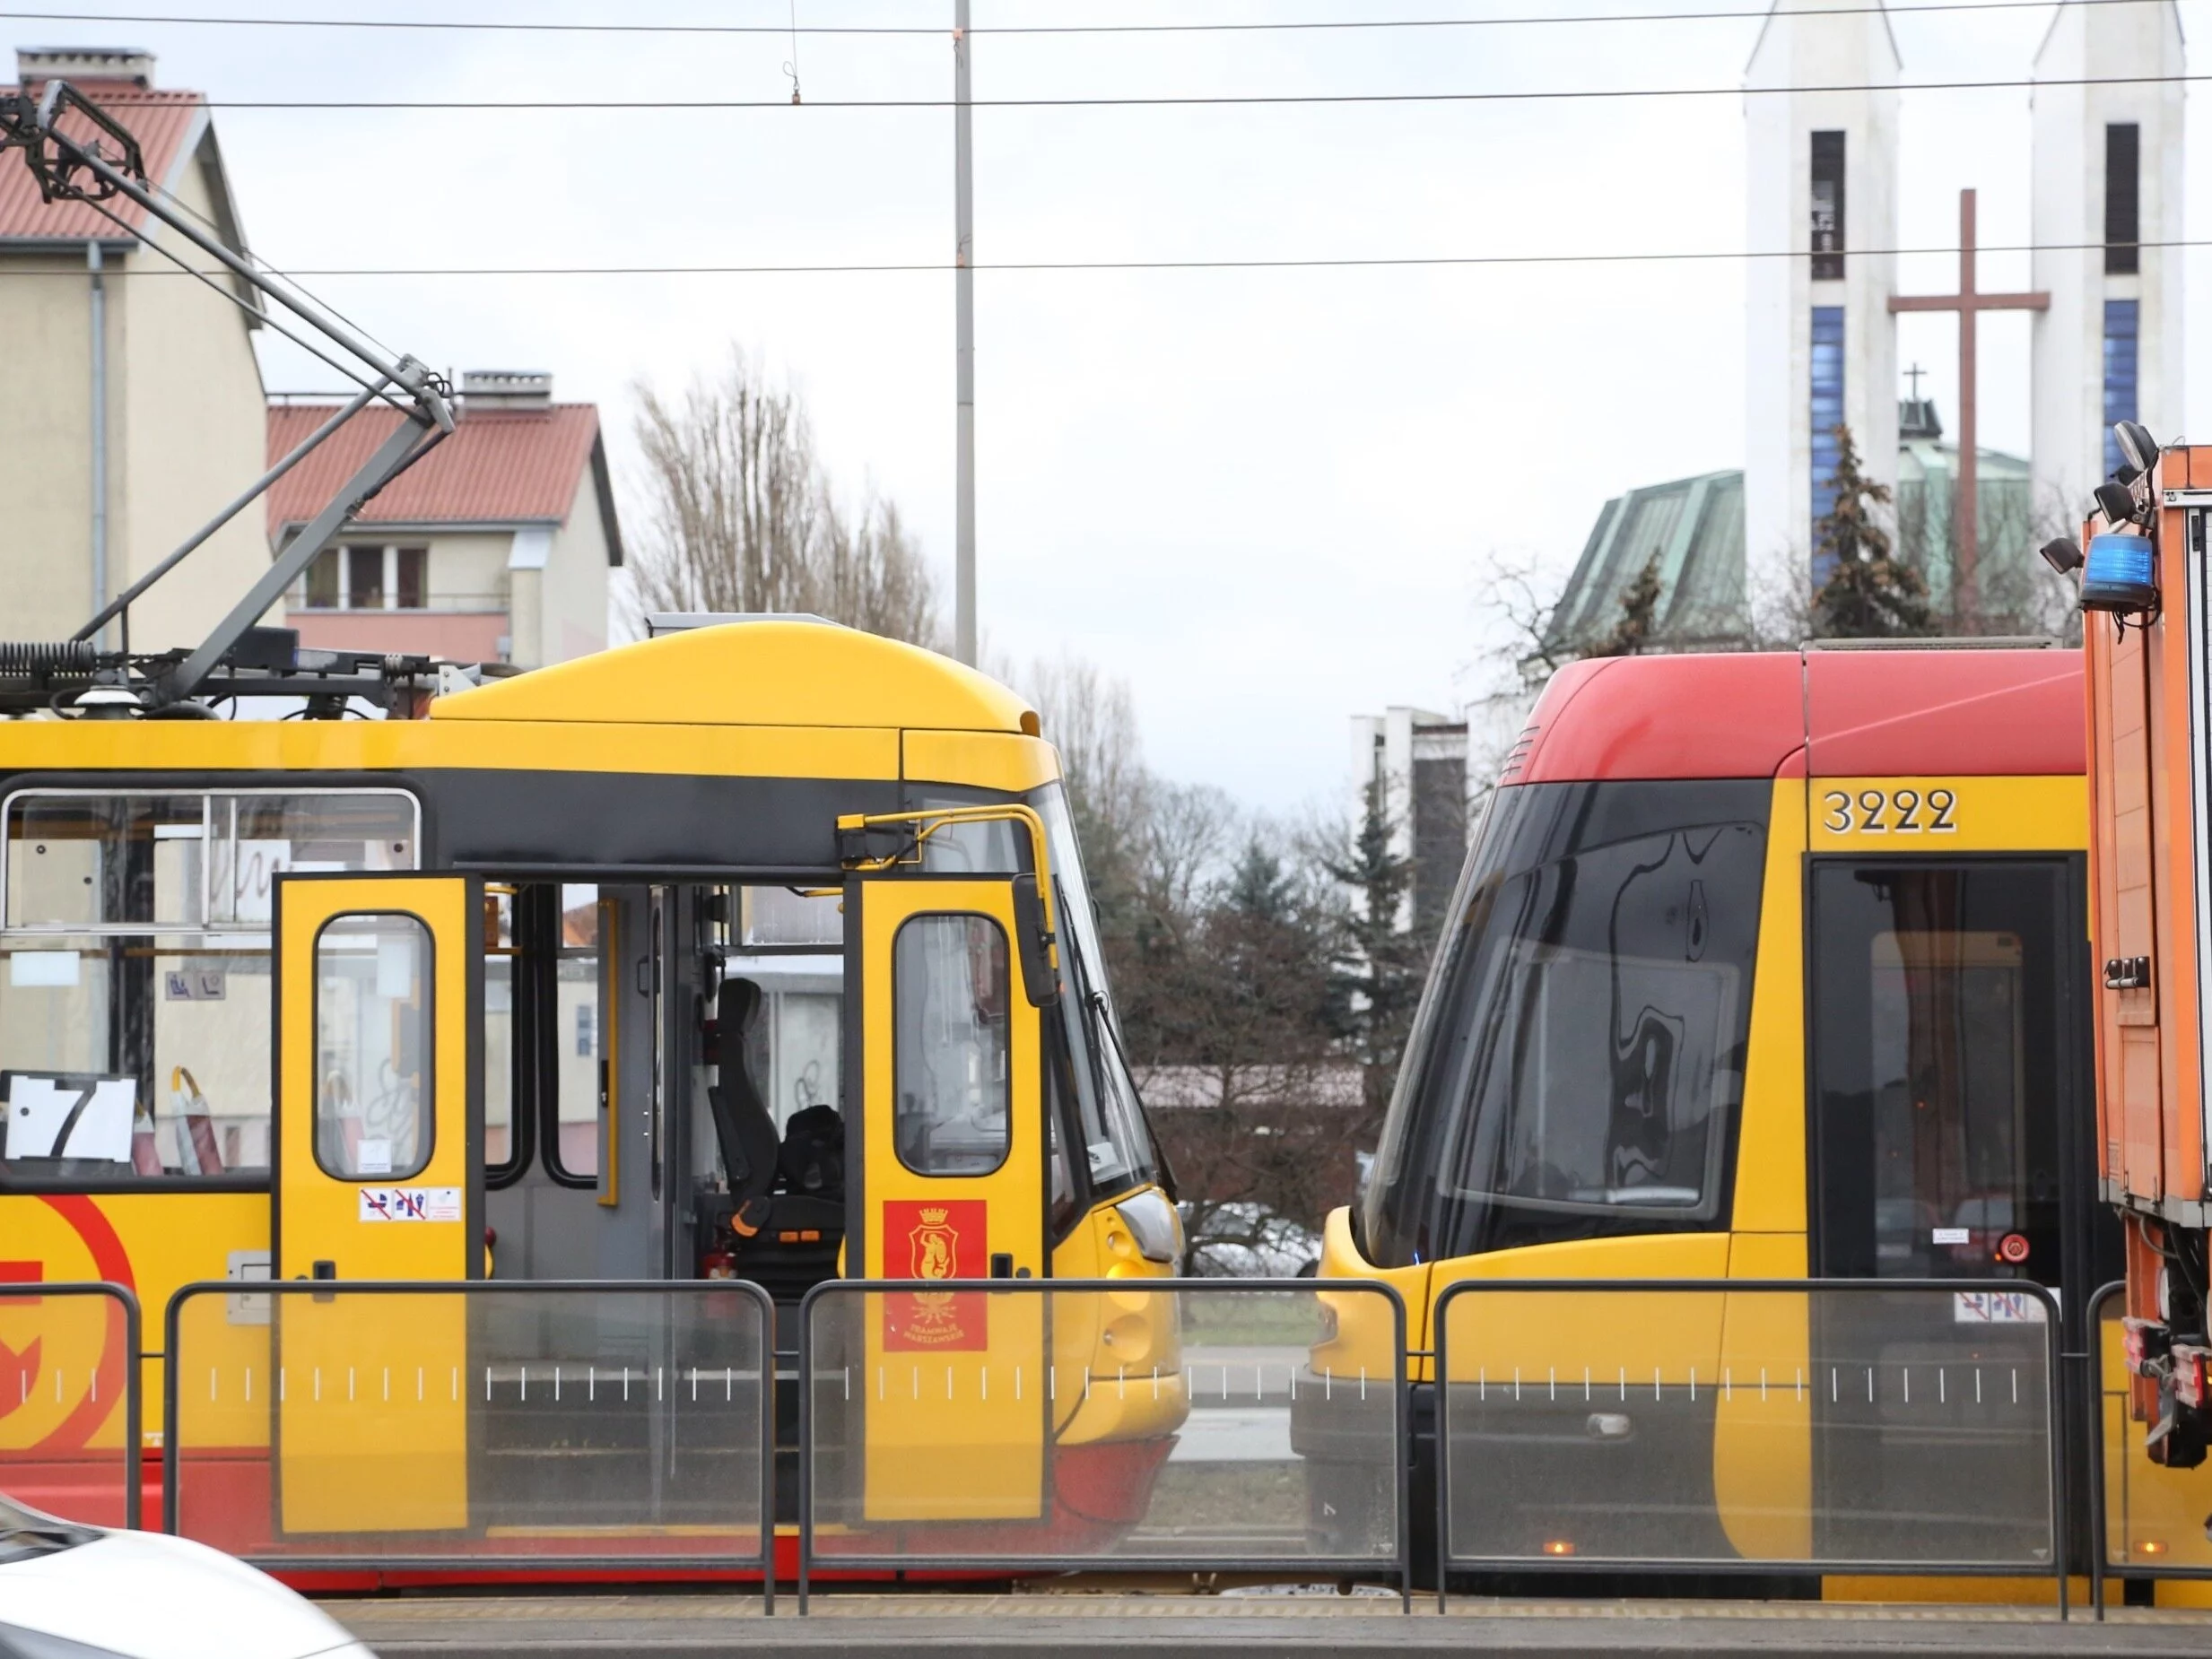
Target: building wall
{"type": "Point", "coordinates": [574, 597]}
{"type": "Point", "coordinates": [45, 448]}
{"type": "Point", "coordinates": [1421, 759]}
{"type": "Point", "coordinates": [188, 416]}
{"type": "Point", "coordinates": [1781, 294]}
{"type": "Point", "coordinates": [2070, 122]}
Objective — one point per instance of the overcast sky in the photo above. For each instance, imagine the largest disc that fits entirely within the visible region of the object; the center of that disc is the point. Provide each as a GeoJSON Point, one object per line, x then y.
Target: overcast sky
{"type": "Point", "coordinates": [1267, 498]}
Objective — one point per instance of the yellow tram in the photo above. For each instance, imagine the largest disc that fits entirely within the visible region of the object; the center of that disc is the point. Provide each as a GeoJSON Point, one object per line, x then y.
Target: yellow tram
{"type": "Point", "coordinates": [756, 950]}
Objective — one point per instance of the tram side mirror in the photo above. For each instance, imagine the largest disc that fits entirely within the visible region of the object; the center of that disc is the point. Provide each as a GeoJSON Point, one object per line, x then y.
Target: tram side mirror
{"type": "Point", "coordinates": [1033, 939]}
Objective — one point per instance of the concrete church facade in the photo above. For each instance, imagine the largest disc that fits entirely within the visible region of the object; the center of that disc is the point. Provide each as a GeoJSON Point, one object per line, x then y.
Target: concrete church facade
{"type": "Point", "coordinates": [1822, 180]}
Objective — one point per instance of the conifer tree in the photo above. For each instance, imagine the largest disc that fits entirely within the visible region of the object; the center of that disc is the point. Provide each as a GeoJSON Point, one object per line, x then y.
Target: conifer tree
{"type": "Point", "coordinates": [1379, 966]}
{"type": "Point", "coordinates": [1870, 592]}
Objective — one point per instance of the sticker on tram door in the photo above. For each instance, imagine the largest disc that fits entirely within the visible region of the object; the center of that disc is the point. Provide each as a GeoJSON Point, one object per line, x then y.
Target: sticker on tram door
{"type": "Point", "coordinates": [410, 1204]}
{"type": "Point", "coordinates": [943, 1239]}
{"type": "Point", "coordinates": [1997, 1308]}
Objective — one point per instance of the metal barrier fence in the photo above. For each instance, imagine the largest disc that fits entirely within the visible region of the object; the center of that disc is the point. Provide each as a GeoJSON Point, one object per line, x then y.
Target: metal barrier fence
{"type": "Point", "coordinates": [2146, 1513]}
{"type": "Point", "coordinates": [1817, 1426]}
{"type": "Point", "coordinates": [1050, 1425]}
{"type": "Point", "coordinates": [479, 1424]}
{"type": "Point", "coordinates": [69, 1357]}
{"type": "Point", "coordinates": [1187, 1425]}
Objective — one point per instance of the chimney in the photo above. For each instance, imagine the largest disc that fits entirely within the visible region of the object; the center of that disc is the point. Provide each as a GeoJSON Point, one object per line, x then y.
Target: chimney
{"type": "Point", "coordinates": [505, 388]}
{"type": "Point", "coordinates": [83, 63]}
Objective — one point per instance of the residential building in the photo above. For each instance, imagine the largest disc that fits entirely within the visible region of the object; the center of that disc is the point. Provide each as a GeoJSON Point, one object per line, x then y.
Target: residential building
{"type": "Point", "coordinates": [495, 547]}
{"type": "Point", "coordinates": [1417, 759]}
{"type": "Point", "coordinates": [135, 411]}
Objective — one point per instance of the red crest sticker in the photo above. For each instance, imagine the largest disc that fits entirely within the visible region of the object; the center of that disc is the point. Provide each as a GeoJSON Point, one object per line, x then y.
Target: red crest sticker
{"type": "Point", "coordinates": [939, 1238]}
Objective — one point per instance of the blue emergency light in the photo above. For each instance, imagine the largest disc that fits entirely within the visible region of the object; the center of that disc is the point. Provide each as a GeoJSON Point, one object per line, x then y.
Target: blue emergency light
{"type": "Point", "coordinates": [2121, 574]}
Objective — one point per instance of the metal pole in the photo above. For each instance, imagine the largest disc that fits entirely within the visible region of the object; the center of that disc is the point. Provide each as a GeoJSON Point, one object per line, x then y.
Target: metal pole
{"type": "Point", "coordinates": [1967, 516]}
{"type": "Point", "coordinates": [964, 305]}
{"type": "Point", "coordinates": [93, 264]}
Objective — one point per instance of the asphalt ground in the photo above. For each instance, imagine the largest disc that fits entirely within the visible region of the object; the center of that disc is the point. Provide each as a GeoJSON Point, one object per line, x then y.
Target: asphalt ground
{"type": "Point", "coordinates": [1235, 1627]}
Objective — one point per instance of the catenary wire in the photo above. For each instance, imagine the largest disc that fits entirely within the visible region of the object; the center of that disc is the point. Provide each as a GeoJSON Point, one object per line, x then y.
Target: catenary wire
{"type": "Point", "coordinates": [1163, 100]}
{"type": "Point", "coordinates": [1284, 26]}
{"type": "Point", "coordinates": [1319, 263]}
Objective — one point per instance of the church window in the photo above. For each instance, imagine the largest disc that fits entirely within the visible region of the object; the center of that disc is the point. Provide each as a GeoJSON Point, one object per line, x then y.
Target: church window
{"type": "Point", "coordinates": [2120, 359]}
{"type": "Point", "coordinates": [2123, 229]}
{"type": "Point", "coordinates": [1827, 206]}
{"type": "Point", "coordinates": [1827, 406]}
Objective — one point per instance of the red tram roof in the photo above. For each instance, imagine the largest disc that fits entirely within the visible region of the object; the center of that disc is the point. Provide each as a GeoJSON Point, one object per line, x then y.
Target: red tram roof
{"type": "Point", "coordinates": [1833, 714]}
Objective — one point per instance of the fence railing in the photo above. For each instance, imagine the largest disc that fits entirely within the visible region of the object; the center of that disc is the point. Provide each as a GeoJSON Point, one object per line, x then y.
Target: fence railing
{"type": "Point", "coordinates": [1053, 1425]}
{"type": "Point", "coordinates": [1266, 1426]}
{"type": "Point", "coordinates": [474, 1424]}
{"type": "Point", "coordinates": [2141, 1510]}
{"type": "Point", "coordinates": [1821, 1426]}
{"type": "Point", "coordinates": [70, 1400]}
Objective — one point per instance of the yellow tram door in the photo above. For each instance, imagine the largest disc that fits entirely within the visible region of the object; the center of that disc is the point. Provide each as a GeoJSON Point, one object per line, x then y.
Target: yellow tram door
{"type": "Point", "coordinates": [379, 1176]}
{"type": "Point", "coordinates": [957, 1386]}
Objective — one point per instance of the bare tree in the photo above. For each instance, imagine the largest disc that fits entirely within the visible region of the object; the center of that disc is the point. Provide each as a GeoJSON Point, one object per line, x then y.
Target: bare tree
{"type": "Point", "coordinates": [739, 517]}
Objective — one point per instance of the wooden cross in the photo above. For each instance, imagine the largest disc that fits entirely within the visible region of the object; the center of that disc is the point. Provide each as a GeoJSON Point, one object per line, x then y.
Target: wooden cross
{"type": "Point", "coordinates": [1913, 374]}
{"type": "Point", "coordinates": [1968, 302]}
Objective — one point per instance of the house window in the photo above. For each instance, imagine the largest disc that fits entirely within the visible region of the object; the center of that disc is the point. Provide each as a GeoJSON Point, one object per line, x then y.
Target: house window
{"type": "Point", "coordinates": [1827, 414]}
{"type": "Point", "coordinates": [368, 578]}
{"type": "Point", "coordinates": [412, 568]}
{"type": "Point", "coordinates": [364, 579]}
{"type": "Point", "coordinates": [2123, 227]}
{"type": "Point", "coordinates": [2119, 373]}
{"type": "Point", "coordinates": [1827, 206]}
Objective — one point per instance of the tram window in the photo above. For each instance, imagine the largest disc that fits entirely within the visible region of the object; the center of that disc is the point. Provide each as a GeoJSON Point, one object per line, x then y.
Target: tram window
{"type": "Point", "coordinates": [116, 860]}
{"type": "Point", "coordinates": [372, 1046]}
{"type": "Point", "coordinates": [260, 838]}
{"type": "Point", "coordinates": [1577, 1063]}
{"type": "Point", "coordinates": [181, 1022]}
{"type": "Point", "coordinates": [950, 1001]}
{"type": "Point", "coordinates": [105, 860]}
{"type": "Point", "coordinates": [779, 915]}
{"type": "Point", "coordinates": [1118, 1150]}
{"type": "Point", "coordinates": [572, 1150]}
{"type": "Point", "coordinates": [501, 959]}
{"type": "Point", "coordinates": [1937, 1067]}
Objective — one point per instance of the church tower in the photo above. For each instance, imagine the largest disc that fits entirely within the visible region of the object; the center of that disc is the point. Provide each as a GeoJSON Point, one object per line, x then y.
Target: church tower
{"type": "Point", "coordinates": [1821, 171]}
{"type": "Point", "coordinates": [2108, 181]}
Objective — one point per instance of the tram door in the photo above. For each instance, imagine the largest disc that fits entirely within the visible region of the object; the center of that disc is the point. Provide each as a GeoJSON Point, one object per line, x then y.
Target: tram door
{"type": "Point", "coordinates": [1953, 1138]}
{"type": "Point", "coordinates": [954, 1392]}
{"type": "Point", "coordinates": [379, 1176]}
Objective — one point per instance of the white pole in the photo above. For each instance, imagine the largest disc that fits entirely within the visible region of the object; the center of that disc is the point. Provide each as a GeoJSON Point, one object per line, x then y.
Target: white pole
{"type": "Point", "coordinates": [963, 279]}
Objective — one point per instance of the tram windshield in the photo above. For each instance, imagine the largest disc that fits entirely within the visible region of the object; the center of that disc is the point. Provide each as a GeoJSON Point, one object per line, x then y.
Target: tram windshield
{"type": "Point", "coordinates": [1577, 1063]}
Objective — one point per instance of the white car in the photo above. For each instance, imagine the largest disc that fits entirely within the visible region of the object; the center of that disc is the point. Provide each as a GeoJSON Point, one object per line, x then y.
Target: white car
{"type": "Point", "coordinates": [74, 1592]}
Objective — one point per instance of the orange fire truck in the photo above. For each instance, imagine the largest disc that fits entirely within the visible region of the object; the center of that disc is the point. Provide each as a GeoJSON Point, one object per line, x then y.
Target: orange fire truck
{"type": "Point", "coordinates": [2146, 633]}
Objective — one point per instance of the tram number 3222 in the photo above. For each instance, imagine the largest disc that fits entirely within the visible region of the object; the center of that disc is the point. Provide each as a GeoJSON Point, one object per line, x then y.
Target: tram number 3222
{"type": "Point", "coordinates": [1890, 811]}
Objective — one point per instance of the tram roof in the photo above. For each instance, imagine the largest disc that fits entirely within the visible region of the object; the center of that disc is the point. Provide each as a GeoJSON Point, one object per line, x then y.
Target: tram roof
{"type": "Point", "coordinates": [1822, 713]}
{"type": "Point", "coordinates": [771, 673]}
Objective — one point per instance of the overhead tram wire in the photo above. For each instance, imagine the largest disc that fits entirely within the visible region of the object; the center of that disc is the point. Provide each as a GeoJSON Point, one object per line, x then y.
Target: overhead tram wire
{"type": "Point", "coordinates": [1286, 26]}
{"type": "Point", "coordinates": [1321, 262]}
{"type": "Point", "coordinates": [1197, 100]}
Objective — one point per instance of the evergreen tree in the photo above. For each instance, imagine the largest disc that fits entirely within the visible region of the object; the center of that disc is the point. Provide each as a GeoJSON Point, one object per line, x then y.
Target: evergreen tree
{"type": "Point", "coordinates": [1870, 592]}
{"type": "Point", "coordinates": [1632, 632]}
{"type": "Point", "coordinates": [1379, 966]}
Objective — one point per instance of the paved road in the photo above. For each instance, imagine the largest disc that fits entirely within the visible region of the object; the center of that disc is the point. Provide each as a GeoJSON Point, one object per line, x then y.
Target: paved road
{"type": "Point", "coordinates": [1237, 1627]}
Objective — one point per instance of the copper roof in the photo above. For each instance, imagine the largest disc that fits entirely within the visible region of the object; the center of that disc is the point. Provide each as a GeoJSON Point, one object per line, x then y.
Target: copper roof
{"type": "Point", "coordinates": [161, 122]}
{"type": "Point", "coordinates": [499, 466]}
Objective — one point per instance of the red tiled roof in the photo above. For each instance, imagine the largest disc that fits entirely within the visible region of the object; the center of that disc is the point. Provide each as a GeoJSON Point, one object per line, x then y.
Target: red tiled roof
{"type": "Point", "coordinates": [499, 465]}
{"type": "Point", "coordinates": [159, 120]}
